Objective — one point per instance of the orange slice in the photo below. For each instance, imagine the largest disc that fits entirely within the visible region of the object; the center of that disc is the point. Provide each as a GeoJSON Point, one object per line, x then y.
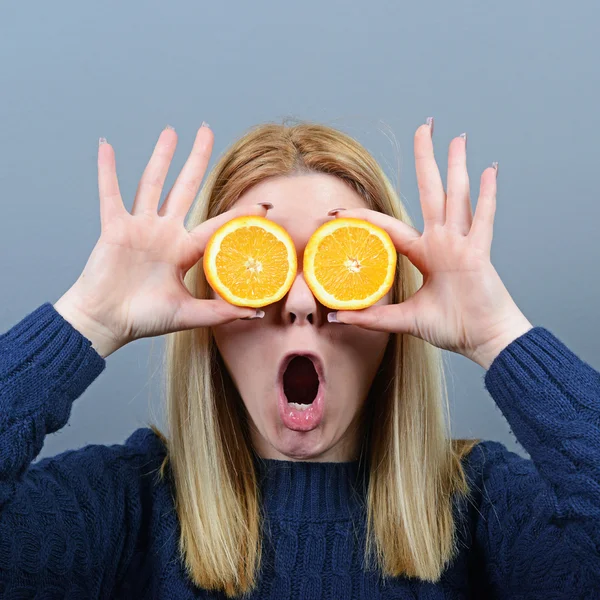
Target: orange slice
{"type": "Point", "coordinates": [250, 261]}
{"type": "Point", "coordinates": [349, 263]}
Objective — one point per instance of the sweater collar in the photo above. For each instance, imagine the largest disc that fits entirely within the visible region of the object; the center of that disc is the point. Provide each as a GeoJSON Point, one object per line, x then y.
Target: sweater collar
{"type": "Point", "coordinates": [307, 490]}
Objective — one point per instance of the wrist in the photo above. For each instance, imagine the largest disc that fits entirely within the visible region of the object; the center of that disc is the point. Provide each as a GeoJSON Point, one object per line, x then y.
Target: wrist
{"type": "Point", "coordinates": [486, 353]}
{"type": "Point", "coordinates": [102, 340]}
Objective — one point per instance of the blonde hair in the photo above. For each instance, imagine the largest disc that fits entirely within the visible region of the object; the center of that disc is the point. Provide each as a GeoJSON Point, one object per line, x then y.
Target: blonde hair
{"type": "Point", "coordinates": [413, 464]}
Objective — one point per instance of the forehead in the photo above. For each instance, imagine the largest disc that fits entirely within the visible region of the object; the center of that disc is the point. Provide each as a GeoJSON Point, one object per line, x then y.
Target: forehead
{"type": "Point", "coordinates": [301, 202]}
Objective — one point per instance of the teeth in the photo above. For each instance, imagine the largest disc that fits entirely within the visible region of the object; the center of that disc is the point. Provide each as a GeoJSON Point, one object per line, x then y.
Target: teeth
{"type": "Point", "coordinates": [299, 406]}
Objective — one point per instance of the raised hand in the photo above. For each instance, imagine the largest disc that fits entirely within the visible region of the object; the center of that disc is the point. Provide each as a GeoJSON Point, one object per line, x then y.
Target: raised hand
{"type": "Point", "coordinates": [132, 284]}
{"type": "Point", "coordinates": [462, 306]}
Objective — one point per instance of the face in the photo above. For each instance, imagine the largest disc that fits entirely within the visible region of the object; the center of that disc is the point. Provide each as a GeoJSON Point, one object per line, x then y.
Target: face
{"type": "Point", "coordinates": [343, 358]}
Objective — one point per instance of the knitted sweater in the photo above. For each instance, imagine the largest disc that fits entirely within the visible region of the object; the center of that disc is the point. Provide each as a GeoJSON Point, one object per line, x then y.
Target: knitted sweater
{"type": "Point", "coordinates": [97, 523]}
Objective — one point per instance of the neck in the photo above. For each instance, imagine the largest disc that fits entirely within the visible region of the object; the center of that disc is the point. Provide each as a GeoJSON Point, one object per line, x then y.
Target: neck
{"type": "Point", "coordinates": [308, 490]}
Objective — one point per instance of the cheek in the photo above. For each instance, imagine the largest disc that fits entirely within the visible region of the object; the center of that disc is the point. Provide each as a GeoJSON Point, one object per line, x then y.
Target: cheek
{"type": "Point", "coordinates": [367, 337]}
{"type": "Point", "coordinates": [373, 342]}
{"type": "Point", "coordinates": [365, 349]}
{"type": "Point", "coordinates": [369, 344]}
{"type": "Point", "coordinates": [232, 337]}
{"type": "Point", "coordinates": [242, 345]}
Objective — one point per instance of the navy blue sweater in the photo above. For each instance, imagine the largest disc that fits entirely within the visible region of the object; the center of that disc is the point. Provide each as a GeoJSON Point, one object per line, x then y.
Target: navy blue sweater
{"type": "Point", "coordinates": [97, 523]}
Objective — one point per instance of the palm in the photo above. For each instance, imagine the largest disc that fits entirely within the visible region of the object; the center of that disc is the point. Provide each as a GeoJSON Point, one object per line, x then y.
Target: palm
{"type": "Point", "coordinates": [463, 304]}
{"type": "Point", "coordinates": [132, 285]}
{"type": "Point", "coordinates": [458, 303]}
{"type": "Point", "coordinates": [142, 291]}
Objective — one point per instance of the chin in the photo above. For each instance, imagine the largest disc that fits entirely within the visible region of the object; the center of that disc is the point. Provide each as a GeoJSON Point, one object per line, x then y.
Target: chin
{"type": "Point", "coordinates": [300, 446]}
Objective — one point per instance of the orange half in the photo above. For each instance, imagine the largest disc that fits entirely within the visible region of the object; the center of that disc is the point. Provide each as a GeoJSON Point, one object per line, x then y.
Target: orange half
{"type": "Point", "coordinates": [349, 263]}
{"type": "Point", "coordinates": [250, 261]}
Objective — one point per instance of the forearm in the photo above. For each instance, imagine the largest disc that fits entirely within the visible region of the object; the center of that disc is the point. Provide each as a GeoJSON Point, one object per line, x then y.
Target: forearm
{"type": "Point", "coordinates": [551, 400]}
{"type": "Point", "coordinates": [44, 366]}
{"type": "Point", "coordinates": [543, 512]}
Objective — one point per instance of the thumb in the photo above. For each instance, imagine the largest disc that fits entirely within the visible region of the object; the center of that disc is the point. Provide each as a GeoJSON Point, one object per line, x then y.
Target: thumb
{"type": "Point", "coordinates": [391, 318]}
{"type": "Point", "coordinates": [207, 313]}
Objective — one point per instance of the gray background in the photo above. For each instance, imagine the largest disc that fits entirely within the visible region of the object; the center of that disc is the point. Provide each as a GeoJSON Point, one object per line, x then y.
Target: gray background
{"type": "Point", "coordinates": [519, 76]}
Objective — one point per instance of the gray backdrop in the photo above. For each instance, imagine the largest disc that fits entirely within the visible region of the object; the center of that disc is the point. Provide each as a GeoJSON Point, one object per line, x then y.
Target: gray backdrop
{"type": "Point", "coordinates": [519, 76]}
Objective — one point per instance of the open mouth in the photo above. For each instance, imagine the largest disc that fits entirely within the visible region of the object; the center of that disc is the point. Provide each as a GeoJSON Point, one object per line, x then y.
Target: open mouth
{"type": "Point", "coordinates": [300, 382]}
{"type": "Point", "coordinates": [301, 391]}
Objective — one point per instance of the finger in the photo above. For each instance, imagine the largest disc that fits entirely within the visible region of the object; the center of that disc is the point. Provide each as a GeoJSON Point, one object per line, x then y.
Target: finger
{"type": "Point", "coordinates": [482, 230]}
{"type": "Point", "coordinates": [186, 186]}
{"type": "Point", "coordinates": [208, 313]}
{"type": "Point", "coordinates": [390, 318]}
{"type": "Point", "coordinates": [429, 181]}
{"type": "Point", "coordinates": [458, 202]}
{"type": "Point", "coordinates": [401, 234]}
{"type": "Point", "coordinates": [203, 232]}
{"type": "Point", "coordinates": [111, 203]}
{"type": "Point", "coordinates": [151, 184]}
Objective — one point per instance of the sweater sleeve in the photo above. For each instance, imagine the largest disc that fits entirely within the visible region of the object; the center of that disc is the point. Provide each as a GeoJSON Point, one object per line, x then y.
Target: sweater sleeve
{"type": "Point", "coordinates": [68, 524]}
{"type": "Point", "coordinates": [537, 532]}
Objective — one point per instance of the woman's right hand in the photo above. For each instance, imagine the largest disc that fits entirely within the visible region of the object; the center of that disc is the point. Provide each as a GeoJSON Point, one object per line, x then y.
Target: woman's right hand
{"type": "Point", "coordinates": [132, 284]}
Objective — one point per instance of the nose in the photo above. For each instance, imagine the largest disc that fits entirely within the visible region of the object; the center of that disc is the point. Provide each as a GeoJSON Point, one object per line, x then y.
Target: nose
{"type": "Point", "coordinates": [300, 306]}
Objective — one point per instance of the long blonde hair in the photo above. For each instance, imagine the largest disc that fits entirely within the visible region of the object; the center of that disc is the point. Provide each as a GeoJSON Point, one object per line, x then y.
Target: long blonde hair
{"type": "Point", "coordinates": [413, 464]}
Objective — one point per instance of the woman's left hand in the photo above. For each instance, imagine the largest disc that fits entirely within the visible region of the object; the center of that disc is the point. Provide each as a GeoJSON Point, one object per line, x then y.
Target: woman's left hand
{"type": "Point", "coordinates": [462, 306]}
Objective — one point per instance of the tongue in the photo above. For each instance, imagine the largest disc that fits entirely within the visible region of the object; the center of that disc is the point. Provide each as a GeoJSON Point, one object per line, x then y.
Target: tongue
{"type": "Point", "coordinates": [300, 381]}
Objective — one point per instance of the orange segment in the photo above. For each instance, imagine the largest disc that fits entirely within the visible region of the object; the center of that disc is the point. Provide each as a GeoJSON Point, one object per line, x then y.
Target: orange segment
{"type": "Point", "coordinates": [349, 263]}
{"type": "Point", "coordinates": [250, 261]}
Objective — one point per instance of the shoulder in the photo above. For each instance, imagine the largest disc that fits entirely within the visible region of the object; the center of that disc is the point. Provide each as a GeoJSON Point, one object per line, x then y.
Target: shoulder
{"type": "Point", "coordinates": [141, 454]}
{"type": "Point", "coordinates": [488, 452]}
{"type": "Point", "coordinates": [144, 441]}
{"type": "Point", "coordinates": [501, 485]}
{"type": "Point", "coordinates": [492, 463]}
{"type": "Point", "coordinates": [99, 506]}
{"type": "Point", "coordinates": [503, 489]}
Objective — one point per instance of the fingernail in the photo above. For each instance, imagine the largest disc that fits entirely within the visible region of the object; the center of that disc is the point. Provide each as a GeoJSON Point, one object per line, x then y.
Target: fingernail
{"type": "Point", "coordinates": [205, 124]}
{"type": "Point", "coordinates": [169, 127]}
{"type": "Point", "coordinates": [495, 165]}
{"type": "Point", "coordinates": [101, 141]}
{"type": "Point", "coordinates": [332, 317]}
{"type": "Point", "coordinates": [267, 205]}
{"type": "Point", "coordinates": [429, 122]}
{"type": "Point", "coordinates": [258, 315]}
{"type": "Point", "coordinates": [464, 135]}
{"type": "Point", "coordinates": [334, 211]}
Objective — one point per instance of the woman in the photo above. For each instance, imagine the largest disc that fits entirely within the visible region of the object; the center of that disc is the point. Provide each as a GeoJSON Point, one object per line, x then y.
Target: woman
{"type": "Point", "coordinates": [373, 499]}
